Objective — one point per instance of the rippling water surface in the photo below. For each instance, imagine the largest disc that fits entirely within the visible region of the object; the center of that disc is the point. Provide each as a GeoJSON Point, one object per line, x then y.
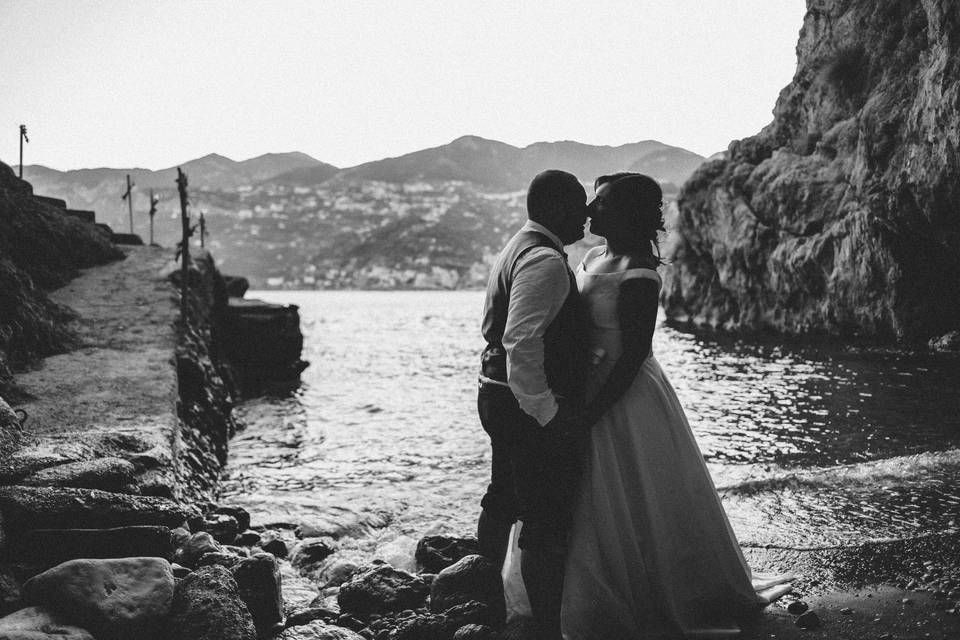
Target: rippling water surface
{"type": "Point", "coordinates": [810, 445]}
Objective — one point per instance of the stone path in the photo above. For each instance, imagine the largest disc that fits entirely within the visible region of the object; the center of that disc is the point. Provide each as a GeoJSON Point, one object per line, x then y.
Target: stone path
{"type": "Point", "coordinates": [116, 395]}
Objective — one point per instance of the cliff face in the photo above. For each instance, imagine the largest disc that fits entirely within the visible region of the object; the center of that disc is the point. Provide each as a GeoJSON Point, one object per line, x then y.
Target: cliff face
{"type": "Point", "coordinates": [843, 215]}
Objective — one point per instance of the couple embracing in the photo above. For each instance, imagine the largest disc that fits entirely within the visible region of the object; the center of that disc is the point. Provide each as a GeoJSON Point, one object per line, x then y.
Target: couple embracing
{"type": "Point", "coordinates": [621, 531]}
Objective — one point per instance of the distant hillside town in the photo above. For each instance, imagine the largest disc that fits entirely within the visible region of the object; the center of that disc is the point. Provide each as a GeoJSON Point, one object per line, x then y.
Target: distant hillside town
{"type": "Point", "coordinates": [432, 219]}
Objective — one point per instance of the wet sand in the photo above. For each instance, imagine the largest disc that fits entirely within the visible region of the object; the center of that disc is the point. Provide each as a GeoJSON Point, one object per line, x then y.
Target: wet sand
{"type": "Point", "coordinates": [875, 612]}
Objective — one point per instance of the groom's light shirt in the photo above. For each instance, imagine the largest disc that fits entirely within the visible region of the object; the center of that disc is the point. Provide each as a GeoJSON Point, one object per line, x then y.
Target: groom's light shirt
{"type": "Point", "coordinates": [541, 283]}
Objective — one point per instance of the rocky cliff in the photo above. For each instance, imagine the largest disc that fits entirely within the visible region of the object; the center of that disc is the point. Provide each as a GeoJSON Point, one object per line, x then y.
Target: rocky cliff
{"type": "Point", "coordinates": [843, 215]}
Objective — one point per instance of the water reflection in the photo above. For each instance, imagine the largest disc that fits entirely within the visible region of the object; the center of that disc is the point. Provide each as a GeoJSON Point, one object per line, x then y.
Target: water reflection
{"type": "Point", "coordinates": [802, 405]}
{"type": "Point", "coordinates": [811, 444]}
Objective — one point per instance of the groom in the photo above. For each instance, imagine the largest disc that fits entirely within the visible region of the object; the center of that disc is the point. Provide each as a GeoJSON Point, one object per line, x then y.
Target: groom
{"type": "Point", "coordinates": [530, 383]}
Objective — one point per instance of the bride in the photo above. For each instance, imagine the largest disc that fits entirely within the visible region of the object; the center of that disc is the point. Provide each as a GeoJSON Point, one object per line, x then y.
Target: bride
{"type": "Point", "coordinates": [651, 553]}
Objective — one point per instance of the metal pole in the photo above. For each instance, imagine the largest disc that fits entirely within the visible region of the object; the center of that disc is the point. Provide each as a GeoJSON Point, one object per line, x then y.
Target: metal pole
{"type": "Point", "coordinates": [130, 202]}
{"type": "Point", "coordinates": [153, 212]}
{"type": "Point", "coordinates": [203, 230]}
{"type": "Point", "coordinates": [185, 247]}
{"type": "Point", "coordinates": [23, 134]}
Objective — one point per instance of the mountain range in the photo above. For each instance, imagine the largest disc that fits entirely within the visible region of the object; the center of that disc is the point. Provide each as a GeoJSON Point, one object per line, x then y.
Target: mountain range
{"type": "Point", "coordinates": [213, 171]}
{"type": "Point", "coordinates": [434, 217]}
{"type": "Point", "coordinates": [490, 164]}
{"type": "Point", "coordinates": [502, 167]}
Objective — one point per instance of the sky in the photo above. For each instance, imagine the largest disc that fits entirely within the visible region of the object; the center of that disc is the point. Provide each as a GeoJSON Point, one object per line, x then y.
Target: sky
{"type": "Point", "coordinates": [153, 83]}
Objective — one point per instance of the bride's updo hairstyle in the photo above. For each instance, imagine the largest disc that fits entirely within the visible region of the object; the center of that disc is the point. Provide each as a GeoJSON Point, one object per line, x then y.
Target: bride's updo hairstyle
{"type": "Point", "coordinates": [641, 196]}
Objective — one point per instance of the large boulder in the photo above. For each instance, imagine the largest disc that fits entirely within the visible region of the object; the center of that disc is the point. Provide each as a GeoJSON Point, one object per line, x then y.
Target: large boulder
{"type": "Point", "coordinates": [25, 508]}
{"type": "Point", "coordinates": [108, 474]}
{"type": "Point", "coordinates": [842, 216]}
{"type": "Point", "coordinates": [259, 586]}
{"type": "Point", "coordinates": [319, 630]}
{"type": "Point", "coordinates": [470, 579]}
{"type": "Point", "coordinates": [436, 553]}
{"type": "Point", "coordinates": [39, 623]}
{"type": "Point", "coordinates": [113, 598]}
{"type": "Point", "coordinates": [206, 606]}
{"type": "Point", "coordinates": [381, 589]}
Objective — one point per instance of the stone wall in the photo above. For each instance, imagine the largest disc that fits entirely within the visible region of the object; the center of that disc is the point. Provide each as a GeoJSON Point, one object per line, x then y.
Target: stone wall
{"type": "Point", "coordinates": [842, 216]}
{"type": "Point", "coordinates": [205, 382]}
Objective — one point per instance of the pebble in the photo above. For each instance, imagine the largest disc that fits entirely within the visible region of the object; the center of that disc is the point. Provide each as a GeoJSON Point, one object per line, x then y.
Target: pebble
{"type": "Point", "coordinates": [846, 611]}
{"type": "Point", "coordinates": [808, 620]}
{"type": "Point", "coordinates": [907, 601]}
{"type": "Point", "coordinates": [275, 546]}
{"type": "Point", "coordinates": [797, 607]}
{"type": "Point", "coordinates": [248, 538]}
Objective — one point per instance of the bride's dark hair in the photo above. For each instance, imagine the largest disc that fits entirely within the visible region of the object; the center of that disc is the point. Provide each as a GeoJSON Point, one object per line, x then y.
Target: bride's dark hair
{"type": "Point", "coordinates": [641, 195]}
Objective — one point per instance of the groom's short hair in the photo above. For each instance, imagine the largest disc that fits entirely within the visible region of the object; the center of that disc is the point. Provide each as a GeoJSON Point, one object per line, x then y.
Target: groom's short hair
{"type": "Point", "coordinates": [548, 190]}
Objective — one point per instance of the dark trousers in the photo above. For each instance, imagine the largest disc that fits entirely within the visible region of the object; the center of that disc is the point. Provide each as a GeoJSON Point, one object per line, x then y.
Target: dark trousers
{"type": "Point", "coordinates": [534, 471]}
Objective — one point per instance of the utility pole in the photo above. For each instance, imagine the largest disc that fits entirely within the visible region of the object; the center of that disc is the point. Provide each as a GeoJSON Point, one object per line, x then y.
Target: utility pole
{"type": "Point", "coordinates": [153, 211]}
{"type": "Point", "coordinates": [128, 196]}
{"type": "Point", "coordinates": [23, 137]}
{"type": "Point", "coordinates": [185, 246]}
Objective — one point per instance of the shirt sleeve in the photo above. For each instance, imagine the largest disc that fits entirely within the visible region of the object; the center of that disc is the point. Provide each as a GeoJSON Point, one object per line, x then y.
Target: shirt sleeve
{"type": "Point", "coordinates": [540, 287]}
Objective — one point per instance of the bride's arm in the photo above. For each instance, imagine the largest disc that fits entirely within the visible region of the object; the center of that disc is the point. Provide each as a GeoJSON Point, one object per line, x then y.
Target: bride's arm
{"type": "Point", "coordinates": [637, 305]}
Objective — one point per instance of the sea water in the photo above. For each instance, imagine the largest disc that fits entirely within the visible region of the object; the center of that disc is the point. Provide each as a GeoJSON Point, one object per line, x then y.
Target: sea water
{"type": "Point", "coordinates": [809, 443]}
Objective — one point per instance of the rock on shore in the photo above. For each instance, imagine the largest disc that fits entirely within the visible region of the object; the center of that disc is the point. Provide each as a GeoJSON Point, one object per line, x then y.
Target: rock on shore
{"type": "Point", "coordinates": [843, 215]}
{"type": "Point", "coordinates": [114, 599]}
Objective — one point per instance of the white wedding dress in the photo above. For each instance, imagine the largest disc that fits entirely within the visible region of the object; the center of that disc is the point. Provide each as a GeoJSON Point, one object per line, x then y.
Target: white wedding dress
{"type": "Point", "coordinates": [651, 552]}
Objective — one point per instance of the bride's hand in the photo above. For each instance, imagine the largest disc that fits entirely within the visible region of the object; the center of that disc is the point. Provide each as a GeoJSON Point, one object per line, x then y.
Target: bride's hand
{"type": "Point", "coordinates": [571, 423]}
